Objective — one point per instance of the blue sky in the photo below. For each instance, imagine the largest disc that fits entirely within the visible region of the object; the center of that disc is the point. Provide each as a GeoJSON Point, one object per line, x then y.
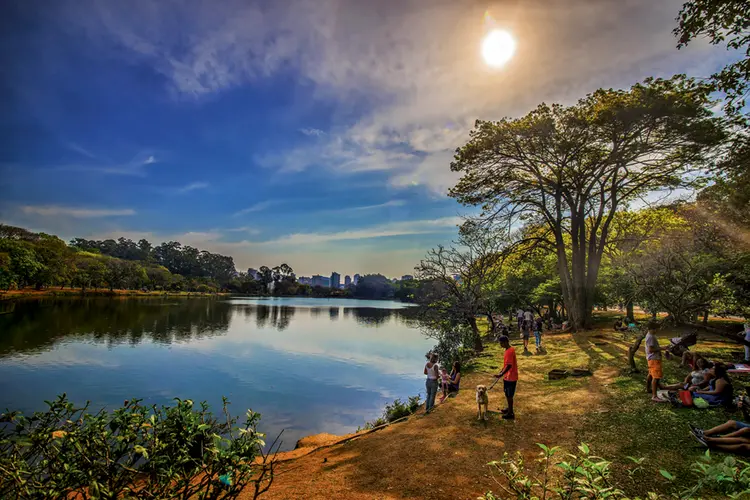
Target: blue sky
{"type": "Point", "coordinates": [317, 133]}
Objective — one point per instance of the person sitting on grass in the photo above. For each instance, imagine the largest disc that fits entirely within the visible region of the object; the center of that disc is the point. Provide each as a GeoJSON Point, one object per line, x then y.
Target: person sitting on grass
{"type": "Point", "coordinates": [696, 379]}
{"type": "Point", "coordinates": [620, 326]}
{"type": "Point", "coordinates": [454, 382]}
{"type": "Point", "coordinates": [732, 436]}
{"type": "Point", "coordinates": [719, 391]}
{"type": "Point", "coordinates": [444, 381]}
{"type": "Point", "coordinates": [690, 359]}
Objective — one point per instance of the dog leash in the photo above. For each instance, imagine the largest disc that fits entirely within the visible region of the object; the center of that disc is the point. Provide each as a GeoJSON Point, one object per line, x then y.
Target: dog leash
{"type": "Point", "coordinates": [493, 383]}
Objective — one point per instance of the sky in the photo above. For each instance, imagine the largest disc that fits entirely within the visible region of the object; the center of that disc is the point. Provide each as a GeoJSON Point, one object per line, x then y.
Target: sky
{"type": "Point", "coordinates": [313, 132]}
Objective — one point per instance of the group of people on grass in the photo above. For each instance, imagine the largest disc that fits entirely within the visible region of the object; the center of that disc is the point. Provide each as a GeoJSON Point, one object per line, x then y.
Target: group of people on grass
{"type": "Point", "coordinates": [439, 378]}
{"type": "Point", "coordinates": [450, 382]}
{"type": "Point", "coordinates": [706, 381]}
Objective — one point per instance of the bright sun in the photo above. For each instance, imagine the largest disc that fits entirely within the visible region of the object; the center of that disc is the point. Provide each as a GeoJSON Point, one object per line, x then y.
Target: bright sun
{"type": "Point", "coordinates": [498, 47]}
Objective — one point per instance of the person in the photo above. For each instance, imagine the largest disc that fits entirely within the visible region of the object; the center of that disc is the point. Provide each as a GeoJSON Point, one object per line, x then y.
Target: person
{"type": "Point", "coordinates": [444, 381]}
{"type": "Point", "coordinates": [747, 339]}
{"type": "Point", "coordinates": [719, 391]}
{"type": "Point", "coordinates": [732, 436]}
{"type": "Point", "coordinates": [519, 318]}
{"type": "Point", "coordinates": [455, 377]}
{"type": "Point", "coordinates": [431, 384]}
{"type": "Point", "coordinates": [653, 358]}
{"type": "Point", "coordinates": [528, 316]}
{"type": "Point", "coordinates": [525, 333]}
{"type": "Point", "coordinates": [538, 325]}
{"type": "Point", "coordinates": [696, 379]}
{"type": "Point", "coordinates": [620, 326]}
{"type": "Point", "coordinates": [509, 374]}
{"type": "Point", "coordinates": [690, 359]}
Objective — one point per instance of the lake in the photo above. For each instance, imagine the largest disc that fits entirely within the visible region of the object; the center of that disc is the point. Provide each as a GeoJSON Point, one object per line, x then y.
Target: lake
{"type": "Point", "coordinates": [307, 365]}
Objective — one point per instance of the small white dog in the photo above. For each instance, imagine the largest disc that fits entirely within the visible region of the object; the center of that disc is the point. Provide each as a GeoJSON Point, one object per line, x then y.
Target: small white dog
{"type": "Point", "coordinates": [483, 402]}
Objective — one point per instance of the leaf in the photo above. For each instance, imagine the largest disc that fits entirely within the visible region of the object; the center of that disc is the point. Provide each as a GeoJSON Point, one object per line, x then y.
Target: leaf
{"type": "Point", "coordinates": [584, 448]}
{"type": "Point", "coordinates": [666, 474]}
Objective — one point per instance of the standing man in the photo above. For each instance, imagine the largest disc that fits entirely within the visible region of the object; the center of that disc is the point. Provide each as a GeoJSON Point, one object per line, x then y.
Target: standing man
{"type": "Point", "coordinates": [509, 376]}
{"type": "Point", "coordinates": [653, 358]}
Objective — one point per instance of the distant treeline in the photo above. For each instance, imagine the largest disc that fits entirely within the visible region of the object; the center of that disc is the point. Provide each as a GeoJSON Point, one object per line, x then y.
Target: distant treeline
{"type": "Point", "coordinates": [40, 260]}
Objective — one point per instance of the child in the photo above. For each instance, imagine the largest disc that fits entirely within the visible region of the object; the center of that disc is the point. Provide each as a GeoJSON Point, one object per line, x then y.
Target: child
{"type": "Point", "coordinates": [538, 324]}
{"type": "Point", "coordinates": [445, 380]}
{"type": "Point", "coordinates": [653, 358]}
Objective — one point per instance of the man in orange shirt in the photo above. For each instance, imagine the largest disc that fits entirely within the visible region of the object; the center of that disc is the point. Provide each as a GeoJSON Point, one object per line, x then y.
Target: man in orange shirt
{"type": "Point", "coordinates": [509, 375]}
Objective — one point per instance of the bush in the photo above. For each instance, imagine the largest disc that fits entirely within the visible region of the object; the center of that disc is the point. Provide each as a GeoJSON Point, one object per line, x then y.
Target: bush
{"type": "Point", "coordinates": [586, 476]}
{"type": "Point", "coordinates": [134, 451]}
{"type": "Point", "coordinates": [394, 411]}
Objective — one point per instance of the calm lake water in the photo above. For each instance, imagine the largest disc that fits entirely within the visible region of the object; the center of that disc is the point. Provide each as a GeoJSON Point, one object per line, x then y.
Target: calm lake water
{"type": "Point", "coordinates": [308, 365]}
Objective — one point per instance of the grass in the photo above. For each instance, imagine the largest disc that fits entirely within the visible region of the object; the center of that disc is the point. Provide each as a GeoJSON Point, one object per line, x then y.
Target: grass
{"type": "Point", "coordinates": [445, 454]}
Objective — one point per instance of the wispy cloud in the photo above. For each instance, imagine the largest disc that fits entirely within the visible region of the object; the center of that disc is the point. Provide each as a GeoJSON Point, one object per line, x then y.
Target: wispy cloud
{"type": "Point", "coordinates": [80, 213]}
{"type": "Point", "coordinates": [244, 229]}
{"type": "Point", "coordinates": [193, 186]}
{"type": "Point", "coordinates": [258, 207]}
{"type": "Point", "coordinates": [136, 167]}
{"type": "Point", "coordinates": [80, 150]}
{"type": "Point", "coordinates": [312, 132]}
{"type": "Point", "coordinates": [364, 208]}
{"type": "Point", "coordinates": [402, 228]}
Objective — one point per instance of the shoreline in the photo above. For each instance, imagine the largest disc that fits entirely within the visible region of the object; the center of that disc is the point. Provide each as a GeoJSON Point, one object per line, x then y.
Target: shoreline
{"type": "Point", "coordinates": [12, 295]}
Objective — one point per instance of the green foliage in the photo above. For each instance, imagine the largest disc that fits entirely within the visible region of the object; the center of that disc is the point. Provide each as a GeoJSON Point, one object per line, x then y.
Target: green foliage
{"type": "Point", "coordinates": [133, 452]}
{"type": "Point", "coordinates": [586, 476]}
{"type": "Point", "coordinates": [395, 410]}
{"type": "Point", "coordinates": [721, 22]}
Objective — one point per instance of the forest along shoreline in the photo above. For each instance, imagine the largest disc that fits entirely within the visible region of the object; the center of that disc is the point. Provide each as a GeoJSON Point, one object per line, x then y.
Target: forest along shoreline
{"type": "Point", "coordinates": [11, 295]}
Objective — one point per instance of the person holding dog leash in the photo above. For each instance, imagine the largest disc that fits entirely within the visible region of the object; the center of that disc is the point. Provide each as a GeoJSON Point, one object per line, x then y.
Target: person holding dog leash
{"type": "Point", "coordinates": [509, 376]}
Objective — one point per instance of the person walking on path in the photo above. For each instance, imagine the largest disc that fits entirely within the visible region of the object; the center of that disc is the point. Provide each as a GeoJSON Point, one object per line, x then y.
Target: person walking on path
{"type": "Point", "coordinates": [509, 374]}
{"type": "Point", "coordinates": [519, 318]}
{"type": "Point", "coordinates": [431, 369]}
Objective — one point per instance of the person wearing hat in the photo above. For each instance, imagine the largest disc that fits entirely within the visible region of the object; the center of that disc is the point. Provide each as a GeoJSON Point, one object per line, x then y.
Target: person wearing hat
{"type": "Point", "coordinates": [509, 375]}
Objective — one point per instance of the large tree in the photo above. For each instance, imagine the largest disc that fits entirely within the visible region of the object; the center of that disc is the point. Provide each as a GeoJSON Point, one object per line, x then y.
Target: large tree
{"type": "Point", "coordinates": [570, 169]}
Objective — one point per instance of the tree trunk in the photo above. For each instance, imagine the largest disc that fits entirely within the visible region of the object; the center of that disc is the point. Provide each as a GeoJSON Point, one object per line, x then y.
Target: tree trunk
{"type": "Point", "coordinates": [653, 315]}
{"type": "Point", "coordinates": [491, 320]}
{"type": "Point", "coordinates": [629, 307]}
{"type": "Point", "coordinates": [632, 350]}
{"type": "Point", "coordinates": [475, 330]}
{"type": "Point", "coordinates": [705, 318]}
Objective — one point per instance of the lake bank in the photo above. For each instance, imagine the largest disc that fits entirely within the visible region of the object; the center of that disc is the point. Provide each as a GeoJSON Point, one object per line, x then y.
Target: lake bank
{"type": "Point", "coordinates": [97, 292]}
{"type": "Point", "coordinates": [413, 459]}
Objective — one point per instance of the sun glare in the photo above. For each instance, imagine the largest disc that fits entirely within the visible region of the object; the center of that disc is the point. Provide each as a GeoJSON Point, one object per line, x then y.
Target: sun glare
{"type": "Point", "coordinates": [498, 47]}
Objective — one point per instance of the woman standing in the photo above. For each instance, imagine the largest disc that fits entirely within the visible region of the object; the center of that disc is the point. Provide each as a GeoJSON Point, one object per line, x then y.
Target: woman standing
{"type": "Point", "coordinates": [431, 370]}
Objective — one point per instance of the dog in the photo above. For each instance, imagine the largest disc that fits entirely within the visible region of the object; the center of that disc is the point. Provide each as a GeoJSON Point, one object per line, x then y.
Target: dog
{"type": "Point", "coordinates": [483, 402]}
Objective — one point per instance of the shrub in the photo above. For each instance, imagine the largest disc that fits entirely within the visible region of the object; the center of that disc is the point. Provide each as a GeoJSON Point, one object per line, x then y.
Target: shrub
{"type": "Point", "coordinates": [586, 476]}
{"type": "Point", "coordinates": [134, 451]}
{"type": "Point", "coordinates": [394, 411]}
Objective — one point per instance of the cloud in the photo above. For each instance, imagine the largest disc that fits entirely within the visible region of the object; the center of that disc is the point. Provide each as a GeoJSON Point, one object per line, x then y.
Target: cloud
{"type": "Point", "coordinates": [244, 229]}
{"type": "Point", "coordinates": [258, 207]}
{"type": "Point", "coordinates": [80, 150]}
{"type": "Point", "coordinates": [81, 213]}
{"type": "Point", "coordinates": [193, 186]}
{"type": "Point", "coordinates": [312, 132]}
{"type": "Point", "coordinates": [403, 228]}
{"type": "Point", "coordinates": [135, 167]}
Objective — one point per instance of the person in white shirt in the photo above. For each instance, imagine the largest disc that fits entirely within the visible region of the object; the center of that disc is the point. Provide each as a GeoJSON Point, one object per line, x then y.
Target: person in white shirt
{"type": "Point", "coordinates": [519, 318]}
{"type": "Point", "coordinates": [431, 369]}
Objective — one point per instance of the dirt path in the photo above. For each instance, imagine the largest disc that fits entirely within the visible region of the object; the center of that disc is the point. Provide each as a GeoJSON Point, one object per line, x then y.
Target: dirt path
{"type": "Point", "coordinates": [444, 455]}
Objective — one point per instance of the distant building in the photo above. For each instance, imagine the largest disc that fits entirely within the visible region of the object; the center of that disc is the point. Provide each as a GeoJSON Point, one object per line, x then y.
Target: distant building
{"type": "Point", "coordinates": [356, 279]}
{"type": "Point", "coordinates": [304, 280]}
{"type": "Point", "coordinates": [407, 277]}
{"type": "Point", "coordinates": [347, 281]}
{"type": "Point", "coordinates": [335, 280]}
{"type": "Point", "coordinates": [318, 280]}
{"type": "Point", "coordinates": [253, 273]}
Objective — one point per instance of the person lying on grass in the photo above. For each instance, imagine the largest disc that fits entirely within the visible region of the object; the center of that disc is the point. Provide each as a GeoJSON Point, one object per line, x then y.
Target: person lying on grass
{"type": "Point", "coordinates": [732, 436]}
{"type": "Point", "coordinates": [696, 379]}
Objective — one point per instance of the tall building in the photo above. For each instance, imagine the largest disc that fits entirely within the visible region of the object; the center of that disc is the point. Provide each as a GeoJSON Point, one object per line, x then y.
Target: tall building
{"type": "Point", "coordinates": [253, 272]}
{"type": "Point", "coordinates": [318, 280]}
{"type": "Point", "coordinates": [356, 278]}
{"type": "Point", "coordinates": [407, 277]}
{"type": "Point", "coordinates": [304, 280]}
{"type": "Point", "coordinates": [347, 281]}
{"type": "Point", "coordinates": [335, 280]}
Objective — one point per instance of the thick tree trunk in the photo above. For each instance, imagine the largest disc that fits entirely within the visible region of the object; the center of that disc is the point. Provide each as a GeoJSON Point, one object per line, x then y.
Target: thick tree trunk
{"type": "Point", "coordinates": [629, 307]}
{"type": "Point", "coordinates": [491, 321]}
{"type": "Point", "coordinates": [478, 346]}
{"type": "Point", "coordinates": [705, 318]}
{"type": "Point", "coordinates": [632, 350]}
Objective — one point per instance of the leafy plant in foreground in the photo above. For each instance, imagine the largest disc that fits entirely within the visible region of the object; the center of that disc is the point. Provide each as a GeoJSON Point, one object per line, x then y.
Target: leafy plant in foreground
{"type": "Point", "coordinates": [135, 451]}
